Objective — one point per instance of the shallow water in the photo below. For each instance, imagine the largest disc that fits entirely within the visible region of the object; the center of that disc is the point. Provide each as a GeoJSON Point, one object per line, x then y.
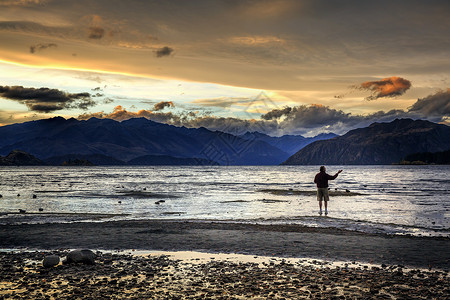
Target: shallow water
{"type": "Point", "coordinates": [394, 199]}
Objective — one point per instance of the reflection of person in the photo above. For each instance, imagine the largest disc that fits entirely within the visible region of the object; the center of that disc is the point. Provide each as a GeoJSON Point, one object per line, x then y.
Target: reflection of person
{"type": "Point", "coordinates": [321, 180]}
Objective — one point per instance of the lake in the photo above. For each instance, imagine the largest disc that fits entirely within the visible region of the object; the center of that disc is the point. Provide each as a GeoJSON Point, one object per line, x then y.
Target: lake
{"type": "Point", "coordinates": [412, 200]}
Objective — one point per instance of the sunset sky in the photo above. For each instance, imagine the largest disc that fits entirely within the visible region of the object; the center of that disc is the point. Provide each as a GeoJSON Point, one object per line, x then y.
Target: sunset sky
{"type": "Point", "coordinates": [279, 67]}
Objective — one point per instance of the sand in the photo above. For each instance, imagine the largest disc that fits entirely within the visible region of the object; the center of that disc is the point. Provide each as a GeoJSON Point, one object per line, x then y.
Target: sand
{"type": "Point", "coordinates": [399, 267]}
{"type": "Point", "coordinates": [159, 276]}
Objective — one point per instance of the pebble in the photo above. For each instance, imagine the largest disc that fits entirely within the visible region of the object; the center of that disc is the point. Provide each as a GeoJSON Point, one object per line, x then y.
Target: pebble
{"type": "Point", "coordinates": [158, 277]}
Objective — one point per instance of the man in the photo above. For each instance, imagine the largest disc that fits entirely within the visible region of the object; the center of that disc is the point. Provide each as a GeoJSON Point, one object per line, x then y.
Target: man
{"type": "Point", "coordinates": [321, 180]}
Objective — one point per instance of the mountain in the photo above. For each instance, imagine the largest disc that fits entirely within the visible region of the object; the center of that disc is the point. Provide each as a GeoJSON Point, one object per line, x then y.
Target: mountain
{"type": "Point", "coordinates": [287, 143]}
{"type": "Point", "coordinates": [133, 138]}
{"type": "Point", "coordinates": [439, 158]}
{"type": "Point", "coordinates": [96, 159]}
{"type": "Point", "coordinates": [380, 143]}
{"type": "Point", "coordinates": [165, 160]}
{"type": "Point", "coordinates": [20, 158]}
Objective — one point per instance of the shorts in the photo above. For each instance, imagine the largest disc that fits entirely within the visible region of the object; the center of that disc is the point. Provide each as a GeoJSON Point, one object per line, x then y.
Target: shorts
{"type": "Point", "coordinates": [322, 194]}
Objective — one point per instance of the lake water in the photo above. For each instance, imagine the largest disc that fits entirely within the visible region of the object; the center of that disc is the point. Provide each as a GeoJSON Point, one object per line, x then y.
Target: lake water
{"type": "Point", "coordinates": [411, 200]}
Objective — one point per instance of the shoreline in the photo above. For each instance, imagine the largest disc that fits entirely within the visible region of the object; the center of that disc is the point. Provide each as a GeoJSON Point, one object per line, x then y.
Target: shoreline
{"type": "Point", "coordinates": [288, 241]}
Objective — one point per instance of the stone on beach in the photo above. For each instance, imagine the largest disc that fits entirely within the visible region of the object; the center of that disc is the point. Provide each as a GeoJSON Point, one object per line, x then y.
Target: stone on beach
{"type": "Point", "coordinates": [84, 256]}
{"type": "Point", "coordinates": [50, 261]}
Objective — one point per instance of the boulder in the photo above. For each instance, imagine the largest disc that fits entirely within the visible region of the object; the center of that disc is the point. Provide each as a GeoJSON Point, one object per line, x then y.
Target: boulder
{"type": "Point", "coordinates": [84, 256]}
{"type": "Point", "coordinates": [50, 261]}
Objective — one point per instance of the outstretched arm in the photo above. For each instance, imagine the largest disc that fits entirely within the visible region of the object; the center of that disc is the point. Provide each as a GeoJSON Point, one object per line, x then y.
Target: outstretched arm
{"type": "Point", "coordinates": [335, 175]}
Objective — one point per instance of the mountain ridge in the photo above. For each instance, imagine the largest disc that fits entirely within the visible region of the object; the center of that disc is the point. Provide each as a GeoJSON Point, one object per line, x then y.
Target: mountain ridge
{"type": "Point", "coordinates": [135, 138]}
{"type": "Point", "coordinates": [379, 143]}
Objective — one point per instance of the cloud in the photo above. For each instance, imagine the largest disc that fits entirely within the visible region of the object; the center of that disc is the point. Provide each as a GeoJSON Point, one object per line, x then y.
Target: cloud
{"type": "Point", "coordinates": [46, 100]}
{"type": "Point", "coordinates": [40, 47]}
{"type": "Point", "coordinates": [95, 33]}
{"type": "Point", "coordinates": [164, 51]}
{"type": "Point", "coordinates": [387, 87]}
{"type": "Point", "coordinates": [225, 102]}
{"type": "Point", "coordinates": [190, 119]}
{"type": "Point", "coordinates": [307, 120]}
{"type": "Point", "coordinates": [163, 104]}
{"type": "Point", "coordinates": [255, 40]}
{"type": "Point", "coordinates": [276, 113]}
{"type": "Point", "coordinates": [21, 2]}
{"type": "Point", "coordinates": [435, 105]}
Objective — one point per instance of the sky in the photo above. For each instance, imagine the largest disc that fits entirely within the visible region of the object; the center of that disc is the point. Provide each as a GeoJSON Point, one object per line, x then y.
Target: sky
{"type": "Point", "coordinates": [278, 67]}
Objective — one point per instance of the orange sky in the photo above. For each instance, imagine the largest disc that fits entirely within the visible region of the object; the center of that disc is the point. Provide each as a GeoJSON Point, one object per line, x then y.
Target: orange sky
{"type": "Point", "coordinates": [216, 57]}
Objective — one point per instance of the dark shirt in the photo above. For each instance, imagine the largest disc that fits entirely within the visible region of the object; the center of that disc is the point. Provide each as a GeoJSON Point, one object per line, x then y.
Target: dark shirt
{"type": "Point", "coordinates": [322, 178]}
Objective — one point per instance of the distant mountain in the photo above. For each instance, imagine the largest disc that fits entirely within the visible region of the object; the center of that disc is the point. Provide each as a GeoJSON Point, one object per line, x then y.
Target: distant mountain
{"type": "Point", "coordinates": [96, 159]}
{"type": "Point", "coordinates": [20, 158]}
{"type": "Point", "coordinates": [438, 158]}
{"type": "Point", "coordinates": [380, 143]}
{"type": "Point", "coordinates": [77, 162]}
{"type": "Point", "coordinates": [133, 138]}
{"type": "Point", "coordinates": [287, 143]}
{"type": "Point", "coordinates": [165, 160]}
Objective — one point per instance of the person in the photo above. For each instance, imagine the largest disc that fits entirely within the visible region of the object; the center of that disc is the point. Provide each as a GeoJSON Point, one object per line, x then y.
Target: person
{"type": "Point", "coordinates": [321, 180]}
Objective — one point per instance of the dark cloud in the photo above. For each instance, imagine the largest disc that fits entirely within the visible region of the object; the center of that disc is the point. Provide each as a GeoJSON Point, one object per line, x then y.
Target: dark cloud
{"type": "Point", "coordinates": [95, 32]}
{"type": "Point", "coordinates": [163, 104]}
{"type": "Point", "coordinates": [434, 105]}
{"type": "Point", "coordinates": [40, 47]}
{"type": "Point", "coordinates": [46, 100]}
{"type": "Point", "coordinates": [387, 87]}
{"type": "Point", "coordinates": [276, 113]}
{"type": "Point", "coordinates": [164, 51]}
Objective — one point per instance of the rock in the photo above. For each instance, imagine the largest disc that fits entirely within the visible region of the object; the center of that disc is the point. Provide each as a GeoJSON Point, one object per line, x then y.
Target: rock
{"type": "Point", "coordinates": [84, 256]}
{"type": "Point", "coordinates": [50, 261]}
{"type": "Point", "coordinates": [18, 195]}
{"type": "Point", "coordinates": [34, 196]}
{"type": "Point", "coordinates": [119, 202]}
{"type": "Point", "coordinates": [41, 209]}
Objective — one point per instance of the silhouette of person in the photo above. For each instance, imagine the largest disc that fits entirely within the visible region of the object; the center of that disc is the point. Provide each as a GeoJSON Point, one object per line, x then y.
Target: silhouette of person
{"type": "Point", "coordinates": [321, 180]}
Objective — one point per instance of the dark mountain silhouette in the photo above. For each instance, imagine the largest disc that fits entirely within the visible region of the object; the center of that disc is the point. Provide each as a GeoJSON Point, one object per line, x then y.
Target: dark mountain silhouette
{"type": "Point", "coordinates": [439, 158]}
{"type": "Point", "coordinates": [96, 159]}
{"type": "Point", "coordinates": [380, 143]}
{"type": "Point", "coordinates": [77, 162]}
{"type": "Point", "coordinates": [165, 160]}
{"type": "Point", "coordinates": [287, 143]}
{"type": "Point", "coordinates": [134, 138]}
{"type": "Point", "coordinates": [20, 158]}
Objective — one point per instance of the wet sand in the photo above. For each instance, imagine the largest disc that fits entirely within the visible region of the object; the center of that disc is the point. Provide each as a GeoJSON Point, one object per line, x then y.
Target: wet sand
{"type": "Point", "coordinates": [267, 240]}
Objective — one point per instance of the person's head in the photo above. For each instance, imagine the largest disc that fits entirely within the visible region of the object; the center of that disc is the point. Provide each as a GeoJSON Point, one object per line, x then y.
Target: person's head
{"type": "Point", "coordinates": [322, 169]}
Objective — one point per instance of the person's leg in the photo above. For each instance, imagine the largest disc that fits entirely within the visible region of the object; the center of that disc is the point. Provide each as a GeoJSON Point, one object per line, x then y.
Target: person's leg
{"type": "Point", "coordinates": [319, 198]}
{"type": "Point", "coordinates": [326, 197]}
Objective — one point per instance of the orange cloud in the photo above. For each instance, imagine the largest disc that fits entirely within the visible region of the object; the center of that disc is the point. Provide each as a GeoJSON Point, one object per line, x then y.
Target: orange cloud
{"type": "Point", "coordinates": [387, 87]}
{"type": "Point", "coordinates": [255, 40]}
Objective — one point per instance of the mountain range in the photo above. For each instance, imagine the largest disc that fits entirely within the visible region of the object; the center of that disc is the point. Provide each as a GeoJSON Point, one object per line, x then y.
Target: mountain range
{"type": "Point", "coordinates": [380, 143]}
{"type": "Point", "coordinates": [142, 141]}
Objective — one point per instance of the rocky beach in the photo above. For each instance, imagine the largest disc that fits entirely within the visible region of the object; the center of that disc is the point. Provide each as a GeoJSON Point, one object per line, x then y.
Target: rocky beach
{"type": "Point", "coordinates": [125, 276]}
{"type": "Point", "coordinates": [298, 262]}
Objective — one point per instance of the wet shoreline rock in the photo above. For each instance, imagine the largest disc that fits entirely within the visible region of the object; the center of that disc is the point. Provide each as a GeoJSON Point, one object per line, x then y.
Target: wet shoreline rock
{"type": "Point", "coordinates": [50, 261]}
{"type": "Point", "coordinates": [84, 256]}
